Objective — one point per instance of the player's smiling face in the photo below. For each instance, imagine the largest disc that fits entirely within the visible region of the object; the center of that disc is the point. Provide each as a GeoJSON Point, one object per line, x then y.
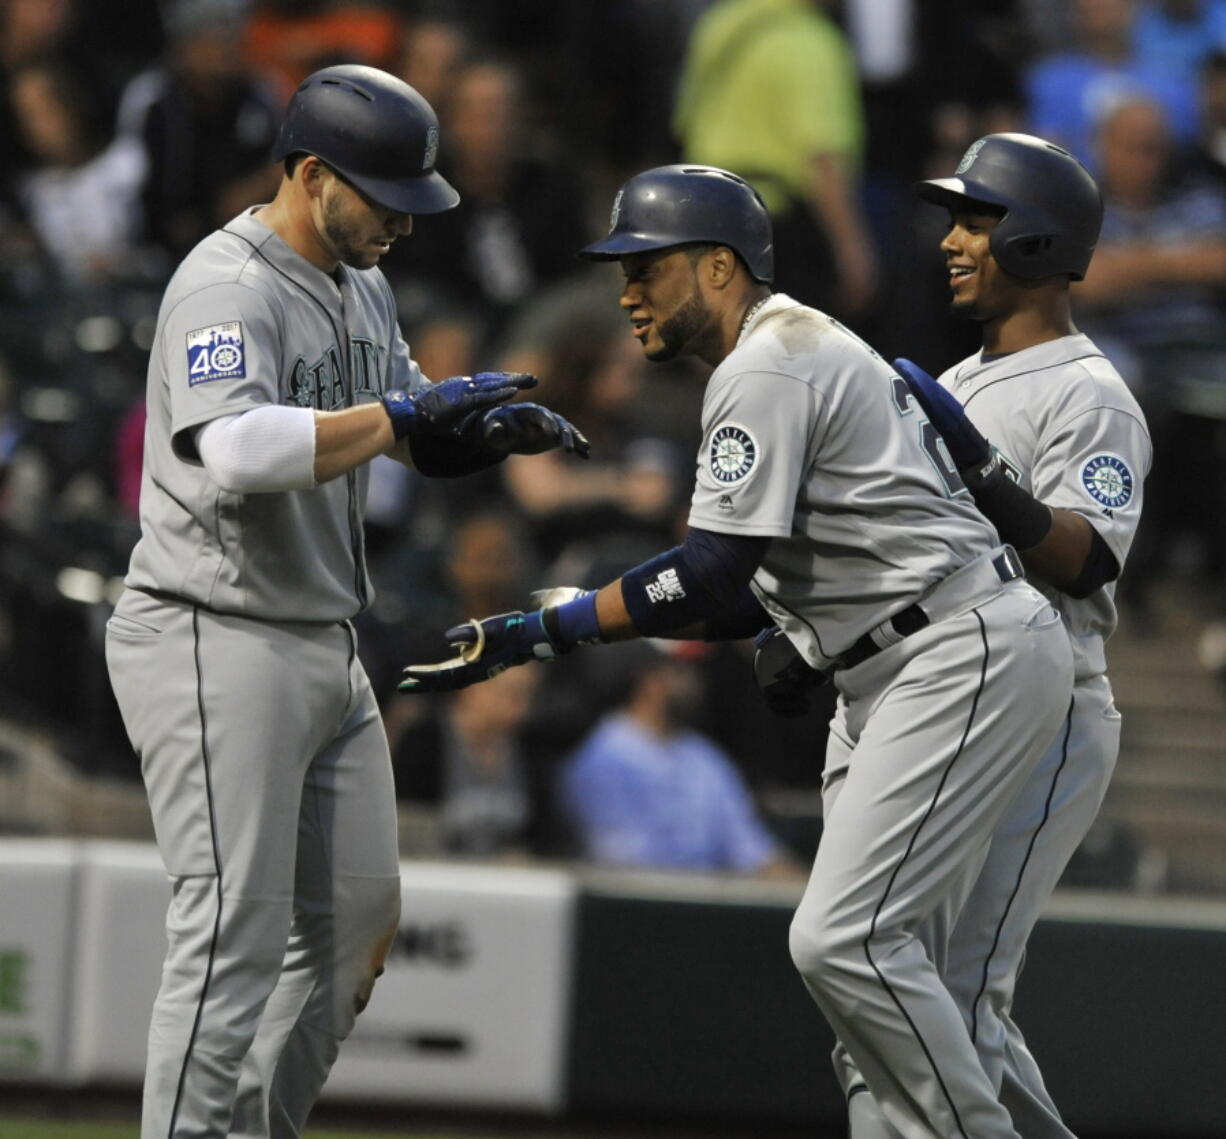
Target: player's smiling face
{"type": "Point", "coordinates": [664, 302]}
{"type": "Point", "coordinates": [981, 289]}
{"type": "Point", "coordinates": [356, 228]}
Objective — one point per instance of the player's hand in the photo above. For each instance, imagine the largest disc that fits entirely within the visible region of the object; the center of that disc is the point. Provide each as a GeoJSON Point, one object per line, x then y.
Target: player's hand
{"type": "Point", "coordinates": [442, 408]}
{"type": "Point", "coordinates": [785, 678]}
{"type": "Point", "coordinates": [967, 447]}
{"type": "Point", "coordinates": [486, 648]}
{"type": "Point", "coordinates": [529, 429]}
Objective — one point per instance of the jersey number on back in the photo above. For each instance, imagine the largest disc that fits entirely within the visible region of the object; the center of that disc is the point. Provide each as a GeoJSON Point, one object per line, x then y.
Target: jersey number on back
{"type": "Point", "coordinates": [930, 439]}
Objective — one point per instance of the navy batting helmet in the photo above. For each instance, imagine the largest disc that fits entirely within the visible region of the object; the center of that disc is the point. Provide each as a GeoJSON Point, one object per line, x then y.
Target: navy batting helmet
{"type": "Point", "coordinates": [373, 129]}
{"type": "Point", "coordinates": [1052, 206]}
{"type": "Point", "coordinates": [676, 205]}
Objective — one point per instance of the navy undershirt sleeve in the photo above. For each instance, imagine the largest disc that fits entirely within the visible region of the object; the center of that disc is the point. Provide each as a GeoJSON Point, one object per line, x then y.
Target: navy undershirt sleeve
{"type": "Point", "coordinates": [724, 564]}
{"type": "Point", "coordinates": [1100, 567]}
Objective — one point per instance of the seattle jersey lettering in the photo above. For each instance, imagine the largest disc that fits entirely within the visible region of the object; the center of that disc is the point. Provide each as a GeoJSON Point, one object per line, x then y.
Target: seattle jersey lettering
{"type": "Point", "coordinates": [322, 385]}
{"type": "Point", "coordinates": [216, 353]}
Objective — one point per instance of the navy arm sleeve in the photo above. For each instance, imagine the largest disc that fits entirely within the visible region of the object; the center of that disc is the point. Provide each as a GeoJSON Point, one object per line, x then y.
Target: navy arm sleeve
{"type": "Point", "coordinates": [706, 579]}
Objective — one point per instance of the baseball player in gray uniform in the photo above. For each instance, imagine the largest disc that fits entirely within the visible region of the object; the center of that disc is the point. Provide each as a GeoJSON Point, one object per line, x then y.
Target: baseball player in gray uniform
{"type": "Point", "coordinates": [826, 505]}
{"type": "Point", "coordinates": [1062, 479]}
{"type": "Point", "coordinates": [277, 372]}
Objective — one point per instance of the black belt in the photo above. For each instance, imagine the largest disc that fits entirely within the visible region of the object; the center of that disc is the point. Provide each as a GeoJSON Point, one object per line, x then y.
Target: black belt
{"type": "Point", "coordinates": [1008, 567]}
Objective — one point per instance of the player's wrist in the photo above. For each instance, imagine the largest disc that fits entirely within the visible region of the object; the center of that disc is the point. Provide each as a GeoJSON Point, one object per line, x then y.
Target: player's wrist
{"type": "Point", "coordinates": [402, 411]}
{"type": "Point", "coordinates": [572, 623]}
{"type": "Point", "coordinates": [984, 473]}
{"type": "Point", "coordinates": [1020, 518]}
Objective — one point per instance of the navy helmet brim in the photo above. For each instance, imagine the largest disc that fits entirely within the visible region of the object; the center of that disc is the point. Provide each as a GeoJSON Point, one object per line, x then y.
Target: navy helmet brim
{"type": "Point", "coordinates": [430, 193]}
{"type": "Point", "coordinates": [957, 193]}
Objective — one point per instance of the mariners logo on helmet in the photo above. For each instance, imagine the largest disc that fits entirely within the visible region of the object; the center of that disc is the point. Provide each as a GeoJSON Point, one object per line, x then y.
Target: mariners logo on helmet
{"type": "Point", "coordinates": [1108, 480]}
{"type": "Point", "coordinates": [968, 159]}
{"type": "Point", "coordinates": [733, 453]}
{"type": "Point", "coordinates": [616, 212]}
{"type": "Point", "coordinates": [427, 162]}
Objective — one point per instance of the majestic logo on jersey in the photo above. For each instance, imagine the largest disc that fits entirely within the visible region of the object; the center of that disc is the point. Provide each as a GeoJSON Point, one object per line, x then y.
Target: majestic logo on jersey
{"type": "Point", "coordinates": [427, 163]}
{"type": "Point", "coordinates": [968, 159]}
{"type": "Point", "coordinates": [216, 353]}
{"type": "Point", "coordinates": [733, 453]}
{"type": "Point", "coordinates": [666, 587]}
{"type": "Point", "coordinates": [1108, 480]}
{"type": "Point", "coordinates": [725, 503]}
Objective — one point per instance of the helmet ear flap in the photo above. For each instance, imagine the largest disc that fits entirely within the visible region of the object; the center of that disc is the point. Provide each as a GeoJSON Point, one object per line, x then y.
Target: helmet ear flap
{"type": "Point", "coordinates": [1021, 253]}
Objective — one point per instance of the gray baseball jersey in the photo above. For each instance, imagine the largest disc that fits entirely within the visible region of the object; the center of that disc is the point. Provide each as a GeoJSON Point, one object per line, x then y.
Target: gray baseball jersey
{"type": "Point", "coordinates": [808, 438]}
{"type": "Point", "coordinates": [246, 321]}
{"type": "Point", "coordinates": [235, 667]}
{"type": "Point", "coordinates": [1072, 434]}
{"type": "Point", "coordinates": [811, 439]}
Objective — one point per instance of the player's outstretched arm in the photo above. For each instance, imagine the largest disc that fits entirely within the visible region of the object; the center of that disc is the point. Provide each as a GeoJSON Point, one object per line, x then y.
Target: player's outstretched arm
{"type": "Point", "coordinates": [1058, 546]}
{"type": "Point", "coordinates": [698, 588]}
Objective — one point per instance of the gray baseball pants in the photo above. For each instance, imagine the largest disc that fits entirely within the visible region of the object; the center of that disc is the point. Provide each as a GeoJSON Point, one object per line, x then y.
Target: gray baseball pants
{"type": "Point", "coordinates": [1029, 852]}
{"type": "Point", "coordinates": [932, 741]}
{"type": "Point", "coordinates": [271, 791]}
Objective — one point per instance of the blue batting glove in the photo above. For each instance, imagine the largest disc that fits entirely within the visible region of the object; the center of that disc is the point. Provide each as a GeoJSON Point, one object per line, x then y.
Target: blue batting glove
{"type": "Point", "coordinates": [529, 429]}
{"type": "Point", "coordinates": [967, 447]}
{"type": "Point", "coordinates": [442, 408]}
{"type": "Point", "coordinates": [486, 648]}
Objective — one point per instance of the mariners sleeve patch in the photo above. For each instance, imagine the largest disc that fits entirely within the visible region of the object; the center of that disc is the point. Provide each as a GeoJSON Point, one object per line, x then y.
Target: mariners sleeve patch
{"type": "Point", "coordinates": [734, 451]}
{"type": "Point", "coordinates": [1107, 480]}
{"type": "Point", "coordinates": [216, 353]}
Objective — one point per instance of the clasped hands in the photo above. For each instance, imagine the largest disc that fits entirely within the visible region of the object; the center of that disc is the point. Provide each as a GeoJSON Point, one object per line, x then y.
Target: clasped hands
{"type": "Point", "coordinates": [468, 407]}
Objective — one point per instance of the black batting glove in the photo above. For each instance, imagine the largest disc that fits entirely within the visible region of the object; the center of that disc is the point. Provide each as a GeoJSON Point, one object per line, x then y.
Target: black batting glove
{"type": "Point", "coordinates": [787, 681]}
{"type": "Point", "coordinates": [529, 429]}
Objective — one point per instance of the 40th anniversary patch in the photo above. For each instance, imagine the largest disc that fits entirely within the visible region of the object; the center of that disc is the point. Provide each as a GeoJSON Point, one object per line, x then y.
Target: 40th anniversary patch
{"type": "Point", "coordinates": [733, 453]}
{"type": "Point", "coordinates": [216, 353]}
{"type": "Point", "coordinates": [1108, 480]}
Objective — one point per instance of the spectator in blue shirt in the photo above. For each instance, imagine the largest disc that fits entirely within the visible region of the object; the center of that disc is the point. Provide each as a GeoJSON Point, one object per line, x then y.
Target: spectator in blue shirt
{"type": "Point", "coordinates": [1152, 301]}
{"type": "Point", "coordinates": [1068, 92]}
{"type": "Point", "coordinates": [1160, 267]}
{"type": "Point", "coordinates": [644, 789]}
{"type": "Point", "coordinates": [1179, 35]}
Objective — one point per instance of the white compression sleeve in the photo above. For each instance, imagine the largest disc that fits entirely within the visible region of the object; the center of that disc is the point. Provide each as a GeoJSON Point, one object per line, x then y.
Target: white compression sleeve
{"type": "Point", "coordinates": [267, 448]}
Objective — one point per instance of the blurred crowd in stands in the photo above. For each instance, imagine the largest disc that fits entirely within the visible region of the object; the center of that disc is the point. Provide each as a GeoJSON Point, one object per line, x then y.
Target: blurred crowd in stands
{"type": "Point", "coordinates": [132, 128]}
